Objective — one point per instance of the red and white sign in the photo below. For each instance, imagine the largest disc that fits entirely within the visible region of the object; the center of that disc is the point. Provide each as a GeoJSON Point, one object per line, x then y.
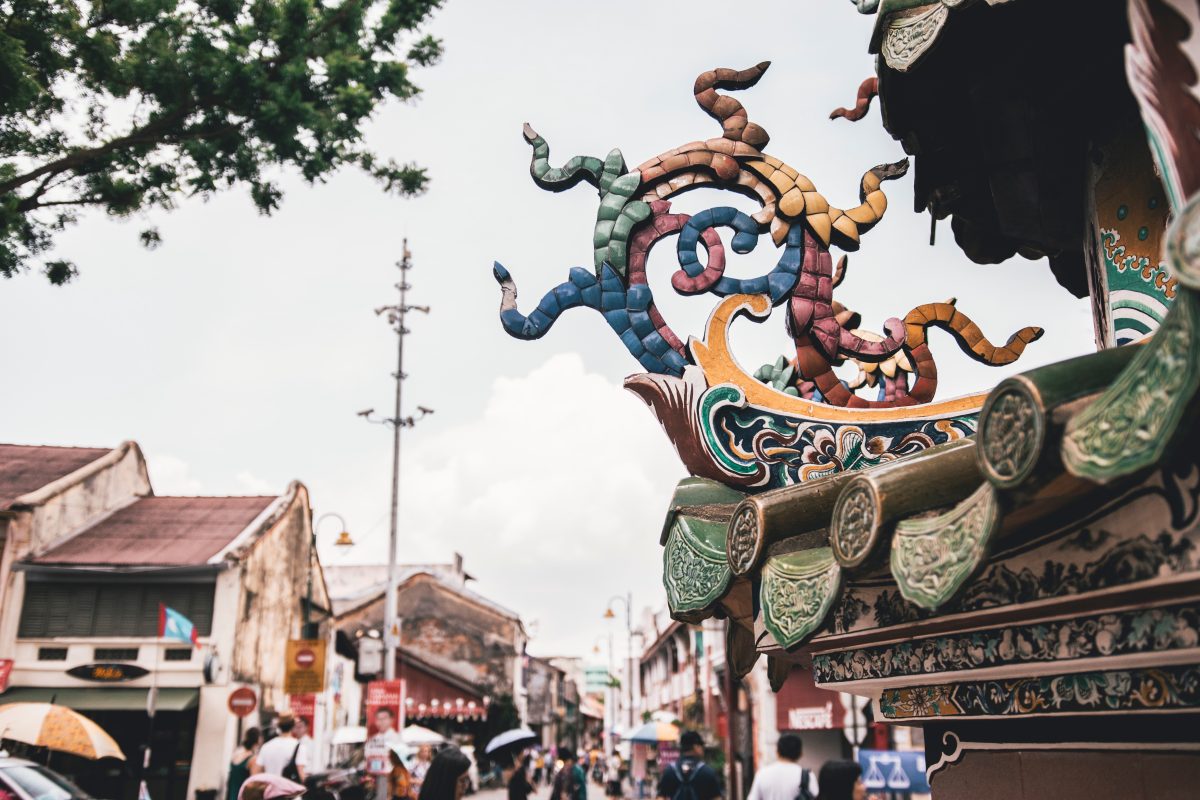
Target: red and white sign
{"type": "Point", "coordinates": [383, 707]}
{"type": "Point", "coordinates": [303, 706]}
{"type": "Point", "coordinates": [242, 702]}
{"type": "Point", "coordinates": [801, 706]}
{"type": "Point", "coordinates": [305, 658]}
{"type": "Point", "coordinates": [6, 665]}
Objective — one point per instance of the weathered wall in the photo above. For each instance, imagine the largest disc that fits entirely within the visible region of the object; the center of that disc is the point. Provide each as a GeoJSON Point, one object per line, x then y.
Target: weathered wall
{"type": "Point", "coordinates": [274, 572]}
{"type": "Point", "coordinates": [58, 511]}
{"type": "Point", "coordinates": [456, 634]}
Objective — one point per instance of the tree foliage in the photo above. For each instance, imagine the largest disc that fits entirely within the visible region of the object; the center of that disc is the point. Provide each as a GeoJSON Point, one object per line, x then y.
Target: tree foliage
{"type": "Point", "coordinates": [129, 105]}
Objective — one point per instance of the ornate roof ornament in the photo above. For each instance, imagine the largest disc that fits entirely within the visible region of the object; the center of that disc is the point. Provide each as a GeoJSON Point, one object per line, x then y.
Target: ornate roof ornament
{"type": "Point", "coordinates": [794, 420]}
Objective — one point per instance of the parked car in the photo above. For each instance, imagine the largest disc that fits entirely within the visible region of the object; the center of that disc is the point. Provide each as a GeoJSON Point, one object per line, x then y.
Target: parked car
{"type": "Point", "coordinates": [25, 780]}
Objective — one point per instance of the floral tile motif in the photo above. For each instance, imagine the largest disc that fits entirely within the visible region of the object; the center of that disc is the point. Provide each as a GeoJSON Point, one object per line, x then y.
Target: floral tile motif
{"type": "Point", "coordinates": [1145, 630]}
{"type": "Point", "coordinates": [1140, 690]}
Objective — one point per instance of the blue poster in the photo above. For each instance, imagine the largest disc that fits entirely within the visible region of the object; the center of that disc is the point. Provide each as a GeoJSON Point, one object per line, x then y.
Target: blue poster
{"type": "Point", "coordinates": [893, 770]}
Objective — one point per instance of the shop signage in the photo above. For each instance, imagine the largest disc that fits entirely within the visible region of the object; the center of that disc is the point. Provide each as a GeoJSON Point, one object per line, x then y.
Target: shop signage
{"type": "Point", "coordinates": [305, 670]}
{"type": "Point", "coordinates": [242, 702]}
{"type": "Point", "coordinates": [893, 771]}
{"type": "Point", "coordinates": [108, 673]}
{"type": "Point", "coordinates": [801, 706]}
{"type": "Point", "coordinates": [6, 665]}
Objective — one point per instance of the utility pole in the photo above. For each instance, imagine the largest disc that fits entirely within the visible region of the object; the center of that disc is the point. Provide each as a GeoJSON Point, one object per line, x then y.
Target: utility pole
{"type": "Point", "coordinates": [395, 317]}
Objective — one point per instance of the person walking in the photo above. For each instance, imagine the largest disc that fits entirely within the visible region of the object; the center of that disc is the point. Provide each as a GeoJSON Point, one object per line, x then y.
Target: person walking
{"type": "Point", "coordinates": [785, 779]}
{"type": "Point", "coordinates": [239, 765]}
{"type": "Point", "coordinates": [570, 783]}
{"type": "Point", "coordinates": [519, 787]}
{"type": "Point", "coordinates": [283, 755]}
{"type": "Point", "coordinates": [449, 776]}
{"type": "Point", "coordinates": [420, 767]}
{"type": "Point", "coordinates": [689, 778]}
{"type": "Point", "coordinates": [842, 780]}
{"type": "Point", "coordinates": [612, 775]}
{"type": "Point", "coordinates": [539, 767]}
{"type": "Point", "coordinates": [399, 781]}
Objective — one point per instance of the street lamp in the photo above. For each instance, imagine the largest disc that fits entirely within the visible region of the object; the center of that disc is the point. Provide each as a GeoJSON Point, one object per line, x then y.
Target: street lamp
{"type": "Point", "coordinates": [610, 712]}
{"type": "Point", "coordinates": [343, 540]}
{"type": "Point", "coordinates": [627, 601]}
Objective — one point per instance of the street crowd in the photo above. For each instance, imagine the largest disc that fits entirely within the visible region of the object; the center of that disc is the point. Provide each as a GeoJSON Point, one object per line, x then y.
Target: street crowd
{"type": "Point", "coordinates": [279, 768]}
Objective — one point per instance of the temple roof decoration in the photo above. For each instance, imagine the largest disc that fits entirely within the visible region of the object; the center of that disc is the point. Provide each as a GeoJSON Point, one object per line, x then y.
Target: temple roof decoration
{"type": "Point", "coordinates": [791, 421]}
{"type": "Point", "coordinates": [903, 543]}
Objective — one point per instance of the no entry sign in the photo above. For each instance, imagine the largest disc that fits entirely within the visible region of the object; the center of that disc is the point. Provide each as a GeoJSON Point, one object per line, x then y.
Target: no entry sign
{"type": "Point", "coordinates": [305, 667]}
{"type": "Point", "coordinates": [242, 702]}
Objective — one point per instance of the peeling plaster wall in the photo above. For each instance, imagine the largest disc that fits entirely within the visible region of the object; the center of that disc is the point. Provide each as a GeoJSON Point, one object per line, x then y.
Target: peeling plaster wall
{"type": "Point", "coordinates": [34, 529]}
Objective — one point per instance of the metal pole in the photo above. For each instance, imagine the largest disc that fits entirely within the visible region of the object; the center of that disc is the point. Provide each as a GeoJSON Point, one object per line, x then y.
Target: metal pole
{"type": "Point", "coordinates": [390, 634]}
{"type": "Point", "coordinates": [629, 644]}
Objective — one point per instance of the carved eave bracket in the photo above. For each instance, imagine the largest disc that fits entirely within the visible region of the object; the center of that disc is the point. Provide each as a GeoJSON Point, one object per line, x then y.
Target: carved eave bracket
{"type": "Point", "coordinates": [906, 29]}
{"type": "Point", "coordinates": [696, 573]}
{"type": "Point", "coordinates": [796, 593]}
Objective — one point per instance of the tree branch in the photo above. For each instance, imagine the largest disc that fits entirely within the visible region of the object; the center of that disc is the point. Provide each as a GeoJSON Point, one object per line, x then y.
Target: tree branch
{"type": "Point", "coordinates": [78, 158]}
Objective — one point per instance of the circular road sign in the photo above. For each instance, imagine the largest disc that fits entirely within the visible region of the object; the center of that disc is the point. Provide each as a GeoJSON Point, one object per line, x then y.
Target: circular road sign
{"type": "Point", "coordinates": [305, 658]}
{"type": "Point", "coordinates": [243, 701]}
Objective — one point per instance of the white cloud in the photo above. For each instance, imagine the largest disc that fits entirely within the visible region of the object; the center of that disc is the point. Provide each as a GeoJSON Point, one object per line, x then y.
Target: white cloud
{"type": "Point", "coordinates": [252, 484]}
{"type": "Point", "coordinates": [555, 492]}
{"type": "Point", "coordinates": [172, 476]}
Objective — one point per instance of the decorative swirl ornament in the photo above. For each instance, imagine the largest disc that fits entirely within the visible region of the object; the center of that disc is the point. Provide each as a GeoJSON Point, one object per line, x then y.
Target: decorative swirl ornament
{"type": "Point", "coordinates": [744, 543]}
{"type": "Point", "coordinates": [854, 528]}
{"type": "Point", "coordinates": [1011, 433]}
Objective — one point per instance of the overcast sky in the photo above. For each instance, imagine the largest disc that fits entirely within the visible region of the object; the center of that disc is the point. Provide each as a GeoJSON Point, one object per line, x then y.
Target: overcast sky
{"type": "Point", "coordinates": [238, 353]}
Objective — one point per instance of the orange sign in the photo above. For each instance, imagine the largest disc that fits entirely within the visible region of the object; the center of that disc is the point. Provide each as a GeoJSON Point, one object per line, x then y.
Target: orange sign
{"type": "Point", "coordinates": [305, 673]}
{"type": "Point", "coordinates": [242, 702]}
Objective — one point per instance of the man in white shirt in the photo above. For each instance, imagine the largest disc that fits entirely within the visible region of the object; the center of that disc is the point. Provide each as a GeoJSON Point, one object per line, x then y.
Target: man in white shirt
{"type": "Point", "coordinates": [277, 754]}
{"type": "Point", "coordinates": [785, 779]}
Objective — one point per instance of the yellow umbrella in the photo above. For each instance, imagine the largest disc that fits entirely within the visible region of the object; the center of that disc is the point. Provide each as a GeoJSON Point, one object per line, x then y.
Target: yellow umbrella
{"type": "Point", "coordinates": [57, 728]}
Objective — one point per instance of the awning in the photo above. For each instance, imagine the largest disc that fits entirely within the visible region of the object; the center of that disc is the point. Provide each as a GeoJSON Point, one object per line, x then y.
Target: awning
{"type": "Point", "coordinates": [103, 698]}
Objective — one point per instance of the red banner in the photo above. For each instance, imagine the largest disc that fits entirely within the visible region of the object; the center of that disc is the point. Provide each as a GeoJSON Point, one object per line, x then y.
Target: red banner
{"type": "Point", "coordinates": [303, 706]}
{"type": "Point", "coordinates": [6, 665]}
{"type": "Point", "coordinates": [383, 707]}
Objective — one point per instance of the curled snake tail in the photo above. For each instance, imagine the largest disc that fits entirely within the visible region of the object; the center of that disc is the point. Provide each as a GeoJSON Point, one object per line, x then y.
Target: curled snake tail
{"type": "Point", "coordinates": [969, 336]}
{"type": "Point", "coordinates": [559, 179]}
{"type": "Point", "coordinates": [581, 289]}
{"type": "Point", "coordinates": [735, 121]}
{"type": "Point", "coordinates": [867, 90]}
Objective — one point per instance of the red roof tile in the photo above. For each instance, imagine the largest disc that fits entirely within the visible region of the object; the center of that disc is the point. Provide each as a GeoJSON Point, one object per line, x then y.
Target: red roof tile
{"type": "Point", "coordinates": [26, 468]}
{"type": "Point", "coordinates": [160, 531]}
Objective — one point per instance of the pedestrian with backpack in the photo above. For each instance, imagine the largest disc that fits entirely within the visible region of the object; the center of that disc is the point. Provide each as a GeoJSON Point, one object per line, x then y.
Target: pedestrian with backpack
{"type": "Point", "coordinates": [689, 778]}
{"type": "Point", "coordinates": [785, 779]}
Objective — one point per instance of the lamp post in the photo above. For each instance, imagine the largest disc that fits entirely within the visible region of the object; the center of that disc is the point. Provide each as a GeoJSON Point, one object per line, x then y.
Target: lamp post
{"type": "Point", "coordinates": [343, 540]}
{"type": "Point", "coordinates": [610, 711]}
{"type": "Point", "coordinates": [627, 601]}
{"type": "Point", "coordinates": [395, 317]}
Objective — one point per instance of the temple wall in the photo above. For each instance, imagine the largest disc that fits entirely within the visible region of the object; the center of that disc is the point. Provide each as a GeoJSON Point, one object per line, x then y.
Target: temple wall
{"type": "Point", "coordinates": [1068, 775]}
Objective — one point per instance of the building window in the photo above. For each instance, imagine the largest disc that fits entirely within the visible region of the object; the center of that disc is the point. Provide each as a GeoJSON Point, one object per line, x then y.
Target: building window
{"type": "Point", "coordinates": [70, 608]}
{"type": "Point", "coordinates": [52, 654]}
{"type": "Point", "coordinates": [115, 653]}
{"type": "Point", "coordinates": [178, 654]}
